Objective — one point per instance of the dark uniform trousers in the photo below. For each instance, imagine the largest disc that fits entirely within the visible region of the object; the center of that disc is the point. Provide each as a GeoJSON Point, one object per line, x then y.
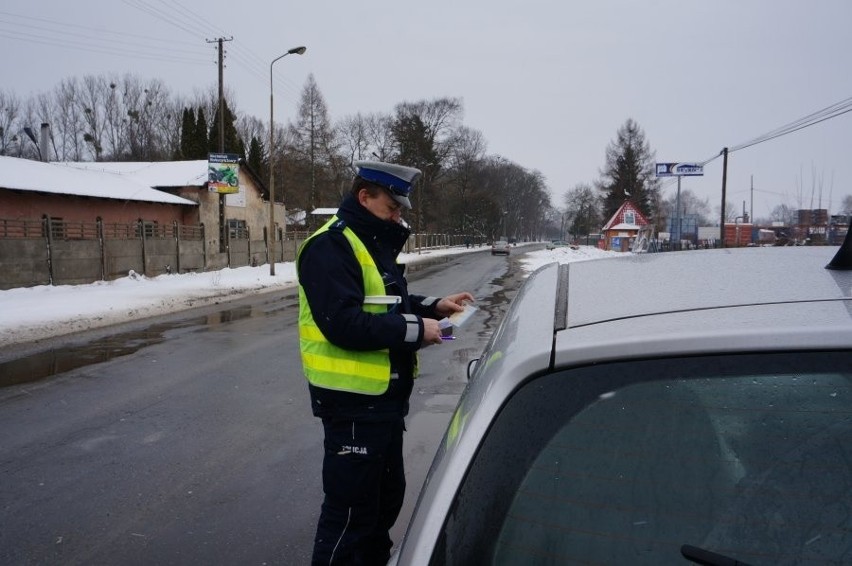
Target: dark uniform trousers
{"type": "Point", "coordinates": [364, 484]}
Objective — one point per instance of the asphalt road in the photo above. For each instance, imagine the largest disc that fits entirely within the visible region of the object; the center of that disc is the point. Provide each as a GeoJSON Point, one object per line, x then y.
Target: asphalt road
{"type": "Point", "coordinates": [188, 439]}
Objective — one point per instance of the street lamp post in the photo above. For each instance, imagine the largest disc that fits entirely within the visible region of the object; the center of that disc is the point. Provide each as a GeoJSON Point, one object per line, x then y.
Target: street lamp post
{"type": "Point", "coordinates": [271, 235]}
{"type": "Point", "coordinates": [423, 183]}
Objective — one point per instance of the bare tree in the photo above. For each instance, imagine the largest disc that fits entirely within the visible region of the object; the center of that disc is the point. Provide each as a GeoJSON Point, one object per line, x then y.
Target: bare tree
{"type": "Point", "coordinates": [352, 138]}
{"type": "Point", "coordinates": [439, 118]}
{"type": "Point", "coordinates": [466, 152]}
{"type": "Point", "coordinates": [846, 205]}
{"type": "Point", "coordinates": [582, 210]}
{"type": "Point", "coordinates": [66, 123]}
{"type": "Point", "coordinates": [785, 214]}
{"type": "Point", "coordinates": [10, 124]}
{"type": "Point", "coordinates": [94, 110]}
{"type": "Point", "coordinates": [166, 123]}
{"type": "Point", "coordinates": [730, 211]}
{"type": "Point", "coordinates": [379, 130]}
{"type": "Point", "coordinates": [690, 204]}
{"type": "Point", "coordinates": [314, 145]}
{"type": "Point", "coordinates": [424, 133]}
{"type": "Point", "coordinates": [252, 129]}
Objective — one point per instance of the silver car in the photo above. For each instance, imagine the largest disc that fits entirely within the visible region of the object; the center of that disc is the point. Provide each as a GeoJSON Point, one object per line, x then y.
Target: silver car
{"type": "Point", "coordinates": [652, 409]}
{"type": "Point", "coordinates": [500, 247]}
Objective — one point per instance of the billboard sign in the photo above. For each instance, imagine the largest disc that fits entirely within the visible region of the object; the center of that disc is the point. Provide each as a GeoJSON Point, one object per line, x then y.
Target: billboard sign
{"type": "Point", "coordinates": [679, 170]}
{"type": "Point", "coordinates": [223, 173]}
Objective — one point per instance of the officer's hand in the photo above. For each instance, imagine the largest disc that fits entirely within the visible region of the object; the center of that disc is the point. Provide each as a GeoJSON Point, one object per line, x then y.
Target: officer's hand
{"type": "Point", "coordinates": [431, 333]}
{"type": "Point", "coordinates": [453, 303]}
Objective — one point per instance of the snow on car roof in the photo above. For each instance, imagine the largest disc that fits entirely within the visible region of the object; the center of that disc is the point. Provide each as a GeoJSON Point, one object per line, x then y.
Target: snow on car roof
{"type": "Point", "coordinates": [694, 280]}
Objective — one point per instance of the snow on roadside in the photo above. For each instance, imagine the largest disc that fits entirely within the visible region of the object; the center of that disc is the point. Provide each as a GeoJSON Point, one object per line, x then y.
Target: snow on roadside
{"type": "Point", "coordinates": [32, 313]}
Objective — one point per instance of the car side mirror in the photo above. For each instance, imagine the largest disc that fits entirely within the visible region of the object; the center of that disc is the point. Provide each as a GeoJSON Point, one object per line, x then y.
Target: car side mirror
{"type": "Point", "coordinates": [471, 367]}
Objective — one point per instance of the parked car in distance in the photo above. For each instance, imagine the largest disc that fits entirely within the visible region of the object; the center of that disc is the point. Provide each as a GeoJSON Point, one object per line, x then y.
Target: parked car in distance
{"type": "Point", "coordinates": [653, 408]}
{"type": "Point", "coordinates": [500, 247]}
{"type": "Point", "coordinates": [553, 244]}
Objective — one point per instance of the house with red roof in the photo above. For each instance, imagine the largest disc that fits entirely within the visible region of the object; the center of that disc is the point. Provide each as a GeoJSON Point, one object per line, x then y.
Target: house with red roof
{"type": "Point", "coordinates": [621, 230]}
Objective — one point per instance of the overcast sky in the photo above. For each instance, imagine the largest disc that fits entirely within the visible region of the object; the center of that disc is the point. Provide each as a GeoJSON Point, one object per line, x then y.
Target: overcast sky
{"type": "Point", "coordinates": [547, 83]}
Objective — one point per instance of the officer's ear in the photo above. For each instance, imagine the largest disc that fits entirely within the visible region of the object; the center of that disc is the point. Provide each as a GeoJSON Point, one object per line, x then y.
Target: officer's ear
{"type": "Point", "coordinates": [363, 195]}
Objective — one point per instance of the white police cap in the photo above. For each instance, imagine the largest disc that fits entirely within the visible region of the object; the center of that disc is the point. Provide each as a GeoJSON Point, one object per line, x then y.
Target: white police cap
{"type": "Point", "coordinates": [397, 179]}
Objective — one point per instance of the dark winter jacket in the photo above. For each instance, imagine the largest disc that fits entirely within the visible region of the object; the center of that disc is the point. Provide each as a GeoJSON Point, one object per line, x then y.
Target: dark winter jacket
{"type": "Point", "coordinates": [333, 284]}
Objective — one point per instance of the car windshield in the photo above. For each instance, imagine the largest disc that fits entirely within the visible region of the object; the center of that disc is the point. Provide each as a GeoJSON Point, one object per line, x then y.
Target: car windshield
{"type": "Point", "coordinates": [746, 456]}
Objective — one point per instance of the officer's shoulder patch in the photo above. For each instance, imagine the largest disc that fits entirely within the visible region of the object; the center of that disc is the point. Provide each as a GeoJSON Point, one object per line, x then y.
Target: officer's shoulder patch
{"type": "Point", "coordinates": [340, 225]}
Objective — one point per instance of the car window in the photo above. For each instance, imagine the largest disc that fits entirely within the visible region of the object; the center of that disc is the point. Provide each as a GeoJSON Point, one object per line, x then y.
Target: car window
{"type": "Point", "coordinates": [747, 456]}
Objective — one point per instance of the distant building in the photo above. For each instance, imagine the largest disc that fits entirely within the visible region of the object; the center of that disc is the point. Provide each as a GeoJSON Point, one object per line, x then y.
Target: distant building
{"type": "Point", "coordinates": [688, 230]}
{"type": "Point", "coordinates": [838, 226]}
{"type": "Point", "coordinates": [812, 226]}
{"type": "Point", "coordinates": [738, 234]}
{"type": "Point", "coordinates": [621, 230]}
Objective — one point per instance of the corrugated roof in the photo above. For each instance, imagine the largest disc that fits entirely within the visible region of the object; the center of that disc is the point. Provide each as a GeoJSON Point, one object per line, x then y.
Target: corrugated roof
{"type": "Point", "coordinates": [120, 181]}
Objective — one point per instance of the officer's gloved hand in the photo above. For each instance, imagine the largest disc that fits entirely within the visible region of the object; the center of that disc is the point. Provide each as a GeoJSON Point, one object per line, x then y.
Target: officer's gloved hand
{"type": "Point", "coordinates": [431, 333]}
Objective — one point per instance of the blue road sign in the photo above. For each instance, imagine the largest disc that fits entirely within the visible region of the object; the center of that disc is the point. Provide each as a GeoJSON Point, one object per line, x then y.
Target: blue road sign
{"type": "Point", "coordinates": [679, 170]}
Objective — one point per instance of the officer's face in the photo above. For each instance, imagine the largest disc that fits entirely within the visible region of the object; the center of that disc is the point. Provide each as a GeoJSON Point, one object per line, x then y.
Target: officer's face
{"type": "Point", "coordinates": [382, 205]}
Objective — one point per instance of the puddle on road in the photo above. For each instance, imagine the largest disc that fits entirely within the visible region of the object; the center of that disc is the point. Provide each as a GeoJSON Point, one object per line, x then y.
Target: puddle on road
{"type": "Point", "coordinates": [497, 303]}
{"type": "Point", "coordinates": [55, 361]}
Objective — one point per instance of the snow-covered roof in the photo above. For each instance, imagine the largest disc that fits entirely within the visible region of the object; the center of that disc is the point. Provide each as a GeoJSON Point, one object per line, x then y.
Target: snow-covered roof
{"type": "Point", "coordinates": [154, 174]}
{"type": "Point", "coordinates": [102, 180]}
{"type": "Point", "coordinates": [617, 222]}
{"type": "Point", "coordinates": [624, 226]}
{"type": "Point", "coordinates": [324, 211]}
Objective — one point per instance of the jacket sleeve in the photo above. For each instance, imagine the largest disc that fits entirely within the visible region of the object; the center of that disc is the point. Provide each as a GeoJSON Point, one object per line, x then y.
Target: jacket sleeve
{"type": "Point", "coordinates": [424, 306]}
{"type": "Point", "coordinates": [334, 288]}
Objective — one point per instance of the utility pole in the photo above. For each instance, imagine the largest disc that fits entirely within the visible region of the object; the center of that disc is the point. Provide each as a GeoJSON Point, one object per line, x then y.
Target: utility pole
{"type": "Point", "coordinates": [220, 41]}
{"type": "Point", "coordinates": [751, 203]}
{"type": "Point", "coordinates": [676, 227]}
{"type": "Point", "coordinates": [724, 190]}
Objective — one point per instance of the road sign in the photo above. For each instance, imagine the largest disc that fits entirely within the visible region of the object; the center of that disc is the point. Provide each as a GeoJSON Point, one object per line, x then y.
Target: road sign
{"type": "Point", "coordinates": [679, 170]}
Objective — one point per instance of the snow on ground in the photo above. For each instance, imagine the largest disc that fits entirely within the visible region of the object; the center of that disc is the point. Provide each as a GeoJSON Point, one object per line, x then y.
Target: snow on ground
{"type": "Point", "coordinates": [533, 260]}
{"type": "Point", "coordinates": [34, 313]}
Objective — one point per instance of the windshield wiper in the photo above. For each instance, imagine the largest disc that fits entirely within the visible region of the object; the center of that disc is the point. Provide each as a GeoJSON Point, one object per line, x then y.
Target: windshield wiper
{"type": "Point", "coordinates": [707, 558]}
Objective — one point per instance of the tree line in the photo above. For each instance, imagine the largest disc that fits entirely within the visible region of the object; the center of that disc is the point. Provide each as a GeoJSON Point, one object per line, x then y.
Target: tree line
{"type": "Point", "coordinates": [464, 189]}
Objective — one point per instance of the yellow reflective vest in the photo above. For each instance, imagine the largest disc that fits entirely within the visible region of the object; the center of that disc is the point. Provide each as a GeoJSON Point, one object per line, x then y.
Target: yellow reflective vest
{"type": "Point", "coordinates": [330, 366]}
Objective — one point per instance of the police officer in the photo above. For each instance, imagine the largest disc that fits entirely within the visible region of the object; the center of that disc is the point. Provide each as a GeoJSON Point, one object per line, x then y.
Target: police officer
{"type": "Point", "coordinates": [359, 333]}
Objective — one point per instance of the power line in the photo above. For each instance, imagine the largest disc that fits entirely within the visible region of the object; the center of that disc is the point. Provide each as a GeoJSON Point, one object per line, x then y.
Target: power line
{"type": "Point", "coordinates": [176, 14]}
{"type": "Point", "coordinates": [827, 113]}
{"type": "Point", "coordinates": [105, 49]}
{"type": "Point", "coordinates": [70, 36]}
{"type": "Point", "coordinates": [158, 14]}
{"type": "Point", "coordinates": [52, 26]}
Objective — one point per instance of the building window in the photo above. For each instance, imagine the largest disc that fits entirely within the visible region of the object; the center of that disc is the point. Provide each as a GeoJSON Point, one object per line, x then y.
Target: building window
{"type": "Point", "coordinates": [57, 228]}
{"type": "Point", "coordinates": [151, 229]}
{"type": "Point", "coordinates": [629, 217]}
{"type": "Point", "coordinates": [237, 229]}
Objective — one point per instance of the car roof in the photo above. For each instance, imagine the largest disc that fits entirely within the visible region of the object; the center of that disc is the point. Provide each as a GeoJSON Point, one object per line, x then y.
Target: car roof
{"type": "Point", "coordinates": [638, 306]}
{"type": "Point", "coordinates": [727, 301]}
{"type": "Point", "coordinates": [697, 280]}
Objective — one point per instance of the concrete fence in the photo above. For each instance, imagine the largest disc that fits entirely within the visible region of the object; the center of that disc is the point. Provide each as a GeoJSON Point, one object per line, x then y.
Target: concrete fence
{"type": "Point", "coordinates": [50, 252]}
{"type": "Point", "coordinates": [54, 252]}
